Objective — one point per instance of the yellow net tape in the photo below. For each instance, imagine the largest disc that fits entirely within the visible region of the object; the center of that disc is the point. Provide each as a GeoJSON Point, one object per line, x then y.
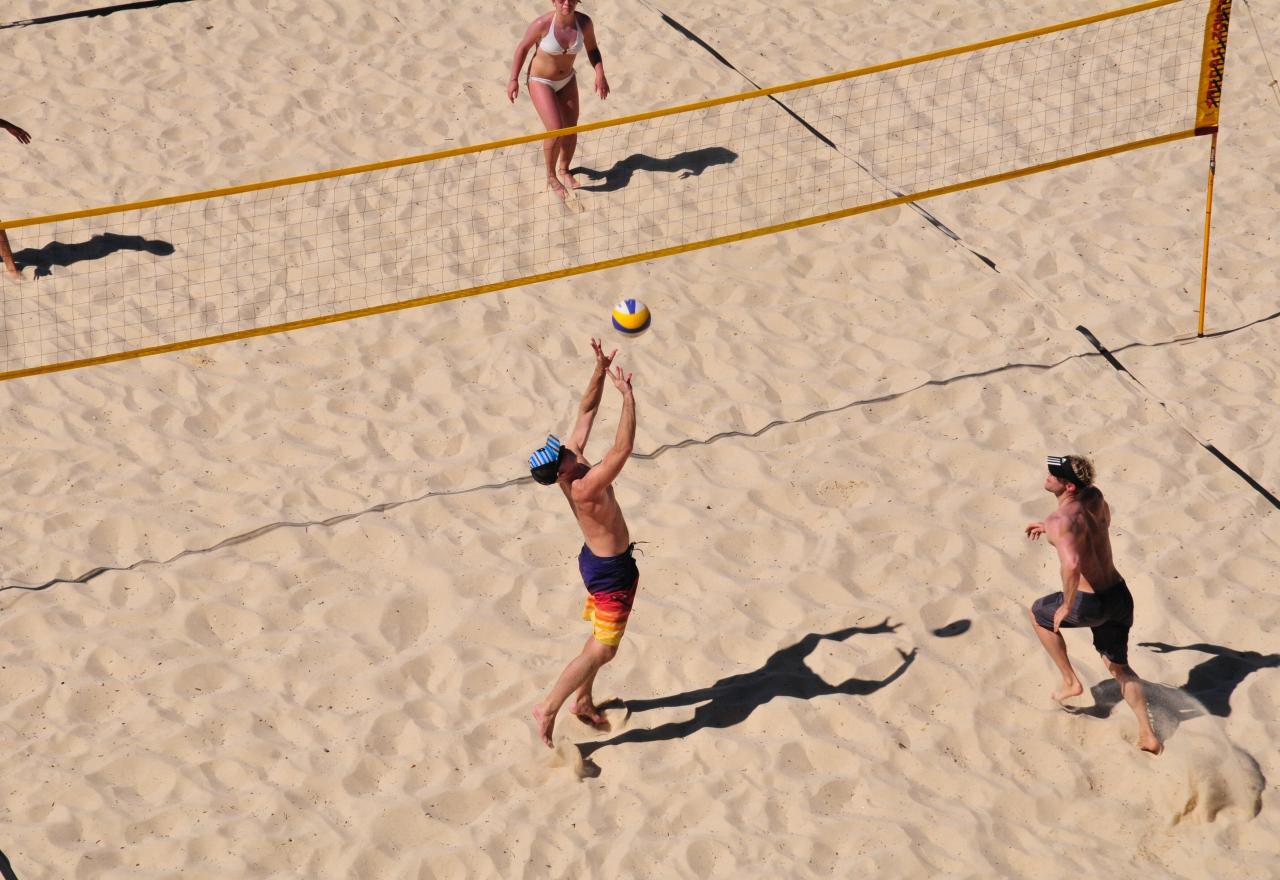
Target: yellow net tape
{"type": "Point", "coordinates": [174, 273]}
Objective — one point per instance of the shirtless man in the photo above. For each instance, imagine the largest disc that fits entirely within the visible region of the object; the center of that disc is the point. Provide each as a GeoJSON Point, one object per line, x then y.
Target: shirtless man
{"type": "Point", "coordinates": [1093, 592]}
{"type": "Point", "coordinates": [606, 563]}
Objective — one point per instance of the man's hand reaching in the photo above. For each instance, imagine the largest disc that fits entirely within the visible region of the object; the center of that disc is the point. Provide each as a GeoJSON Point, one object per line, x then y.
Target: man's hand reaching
{"type": "Point", "coordinates": [621, 381]}
{"type": "Point", "coordinates": [602, 360]}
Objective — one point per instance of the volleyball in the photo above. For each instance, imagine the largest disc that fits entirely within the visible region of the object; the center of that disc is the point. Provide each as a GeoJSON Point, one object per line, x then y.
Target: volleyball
{"type": "Point", "coordinates": [630, 317]}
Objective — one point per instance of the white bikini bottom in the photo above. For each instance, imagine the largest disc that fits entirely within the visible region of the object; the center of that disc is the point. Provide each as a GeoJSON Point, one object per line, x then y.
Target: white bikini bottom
{"type": "Point", "coordinates": [556, 84]}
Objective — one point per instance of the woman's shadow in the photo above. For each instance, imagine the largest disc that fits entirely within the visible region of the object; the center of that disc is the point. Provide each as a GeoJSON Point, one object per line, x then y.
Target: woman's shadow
{"type": "Point", "coordinates": [56, 253]}
{"type": "Point", "coordinates": [731, 700]}
{"type": "Point", "coordinates": [692, 163]}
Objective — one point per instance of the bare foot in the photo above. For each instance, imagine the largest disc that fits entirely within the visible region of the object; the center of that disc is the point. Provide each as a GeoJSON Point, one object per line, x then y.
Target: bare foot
{"type": "Point", "coordinates": [1067, 691]}
{"type": "Point", "coordinates": [1149, 742]}
{"type": "Point", "coordinates": [588, 712]}
{"type": "Point", "coordinates": [14, 274]}
{"type": "Point", "coordinates": [557, 187]}
{"type": "Point", "coordinates": [545, 723]}
{"type": "Point", "coordinates": [568, 179]}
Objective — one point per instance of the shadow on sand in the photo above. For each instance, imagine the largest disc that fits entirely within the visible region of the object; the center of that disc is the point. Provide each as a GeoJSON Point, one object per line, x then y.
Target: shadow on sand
{"type": "Point", "coordinates": [1169, 706]}
{"type": "Point", "coordinates": [731, 700]}
{"type": "Point", "coordinates": [1218, 773]}
{"type": "Point", "coordinates": [1213, 681]}
{"type": "Point", "coordinates": [100, 11]}
{"type": "Point", "coordinates": [692, 163]}
{"type": "Point", "coordinates": [56, 253]}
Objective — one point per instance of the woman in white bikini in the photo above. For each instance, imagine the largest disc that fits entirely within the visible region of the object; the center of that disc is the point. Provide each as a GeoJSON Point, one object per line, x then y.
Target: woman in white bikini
{"type": "Point", "coordinates": [556, 39]}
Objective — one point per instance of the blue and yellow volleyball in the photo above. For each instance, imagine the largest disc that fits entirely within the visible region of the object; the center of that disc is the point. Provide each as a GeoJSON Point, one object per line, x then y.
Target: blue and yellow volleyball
{"type": "Point", "coordinates": [630, 317]}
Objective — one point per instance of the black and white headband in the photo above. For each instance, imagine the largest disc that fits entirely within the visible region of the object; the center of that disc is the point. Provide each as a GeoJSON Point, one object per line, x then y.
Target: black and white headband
{"type": "Point", "coordinates": [1060, 468]}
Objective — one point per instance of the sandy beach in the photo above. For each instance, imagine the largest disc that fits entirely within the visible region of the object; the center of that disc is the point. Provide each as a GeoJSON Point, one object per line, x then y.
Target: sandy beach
{"type": "Point", "coordinates": [280, 607]}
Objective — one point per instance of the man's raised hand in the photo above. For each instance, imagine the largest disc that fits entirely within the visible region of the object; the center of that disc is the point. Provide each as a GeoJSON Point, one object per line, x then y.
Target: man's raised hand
{"type": "Point", "coordinates": [621, 380]}
{"type": "Point", "coordinates": [602, 361]}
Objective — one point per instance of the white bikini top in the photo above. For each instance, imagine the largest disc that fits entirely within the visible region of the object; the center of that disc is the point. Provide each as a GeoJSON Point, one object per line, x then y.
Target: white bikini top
{"type": "Point", "coordinates": [552, 46]}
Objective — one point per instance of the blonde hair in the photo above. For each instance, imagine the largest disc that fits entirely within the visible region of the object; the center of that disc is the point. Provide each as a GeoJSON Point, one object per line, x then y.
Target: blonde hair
{"type": "Point", "coordinates": [1082, 468]}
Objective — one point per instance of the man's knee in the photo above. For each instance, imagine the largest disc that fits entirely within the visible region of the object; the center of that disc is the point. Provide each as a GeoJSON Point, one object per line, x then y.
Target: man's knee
{"type": "Point", "coordinates": [602, 653]}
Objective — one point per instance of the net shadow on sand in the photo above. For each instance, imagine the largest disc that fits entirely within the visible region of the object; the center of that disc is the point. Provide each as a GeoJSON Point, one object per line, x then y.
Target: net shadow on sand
{"type": "Point", "coordinates": [98, 12]}
{"type": "Point", "coordinates": [731, 700]}
{"type": "Point", "coordinates": [382, 507]}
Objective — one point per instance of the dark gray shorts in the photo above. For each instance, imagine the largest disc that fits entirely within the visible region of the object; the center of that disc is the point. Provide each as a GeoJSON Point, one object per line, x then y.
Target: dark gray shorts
{"type": "Point", "coordinates": [1108, 614]}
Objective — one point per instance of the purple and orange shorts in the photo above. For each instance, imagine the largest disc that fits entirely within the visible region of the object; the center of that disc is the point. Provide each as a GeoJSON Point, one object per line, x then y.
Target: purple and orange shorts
{"type": "Point", "coordinates": [611, 588]}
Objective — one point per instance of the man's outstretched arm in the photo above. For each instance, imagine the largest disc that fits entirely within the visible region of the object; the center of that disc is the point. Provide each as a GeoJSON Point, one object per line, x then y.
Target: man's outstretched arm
{"type": "Point", "coordinates": [603, 474]}
{"type": "Point", "coordinates": [590, 404]}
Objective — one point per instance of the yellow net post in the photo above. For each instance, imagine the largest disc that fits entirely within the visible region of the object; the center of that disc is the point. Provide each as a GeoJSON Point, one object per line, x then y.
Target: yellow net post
{"type": "Point", "coordinates": [1208, 214]}
{"type": "Point", "coordinates": [1213, 67]}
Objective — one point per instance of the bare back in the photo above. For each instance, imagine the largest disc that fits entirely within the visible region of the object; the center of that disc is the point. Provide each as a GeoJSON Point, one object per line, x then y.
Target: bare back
{"type": "Point", "coordinates": [1084, 523]}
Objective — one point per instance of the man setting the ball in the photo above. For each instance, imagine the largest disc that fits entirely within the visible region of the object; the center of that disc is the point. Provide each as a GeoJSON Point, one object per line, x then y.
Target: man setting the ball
{"type": "Point", "coordinates": [608, 568]}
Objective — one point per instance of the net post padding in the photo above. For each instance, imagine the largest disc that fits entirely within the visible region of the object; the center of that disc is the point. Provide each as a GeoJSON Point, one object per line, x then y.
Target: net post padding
{"type": "Point", "coordinates": [1213, 66]}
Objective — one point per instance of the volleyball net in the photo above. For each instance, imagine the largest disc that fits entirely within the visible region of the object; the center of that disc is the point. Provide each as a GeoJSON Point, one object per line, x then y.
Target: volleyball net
{"type": "Point", "coordinates": [173, 273]}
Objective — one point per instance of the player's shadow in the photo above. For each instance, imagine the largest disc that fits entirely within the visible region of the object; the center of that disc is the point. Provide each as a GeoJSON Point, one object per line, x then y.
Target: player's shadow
{"type": "Point", "coordinates": [1169, 707]}
{"type": "Point", "coordinates": [57, 253]}
{"type": "Point", "coordinates": [1213, 681]}
{"type": "Point", "coordinates": [731, 700]}
{"type": "Point", "coordinates": [691, 163]}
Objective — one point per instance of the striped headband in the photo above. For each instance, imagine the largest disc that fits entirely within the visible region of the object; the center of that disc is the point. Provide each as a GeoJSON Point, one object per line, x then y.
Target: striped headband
{"type": "Point", "coordinates": [548, 454]}
{"type": "Point", "coordinates": [1060, 468]}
